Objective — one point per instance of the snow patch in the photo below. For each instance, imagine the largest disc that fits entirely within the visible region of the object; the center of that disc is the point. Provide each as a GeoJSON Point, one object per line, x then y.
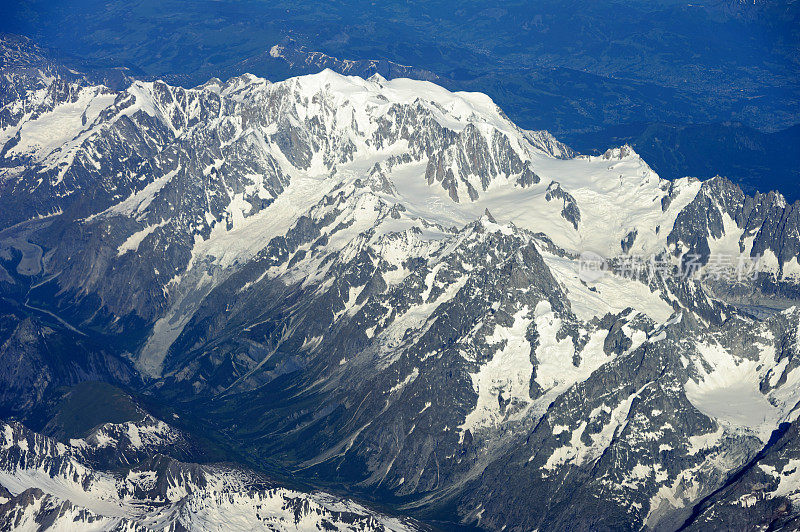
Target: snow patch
{"type": "Point", "coordinates": [506, 377]}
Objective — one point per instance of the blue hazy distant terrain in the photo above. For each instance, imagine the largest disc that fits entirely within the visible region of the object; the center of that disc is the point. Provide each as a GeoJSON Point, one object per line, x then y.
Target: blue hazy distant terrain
{"type": "Point", "coordinates": [696, 89]}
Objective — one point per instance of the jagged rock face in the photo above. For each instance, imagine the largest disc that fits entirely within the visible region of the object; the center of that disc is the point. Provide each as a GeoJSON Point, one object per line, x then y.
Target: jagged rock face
{"type": "Point", "coordinates": [629, 459]}
{"type": "Point", "coordinates": [325, 336]}
{"type": "Point", "coordinates": [570, 210]}
{"type": "Point", "coordinates": [154, 493]}
{"type": "Point", "coordinates": [413, 337]}
{"type": "Point", "coordinates": [762, 493]}
{"type": "Point", "coordinates": [188, 161]}
{"type": "Point", "coordinates": [378, 284]}
{"type": "Point", "coordinates": [26, 68]}
{"type": "Point", "coordinates": [764, 224]}
{"type": "Point", "coordinates": [643, 432]}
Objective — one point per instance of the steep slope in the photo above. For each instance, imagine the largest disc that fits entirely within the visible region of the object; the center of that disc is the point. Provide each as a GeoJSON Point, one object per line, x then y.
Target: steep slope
{"type": "Point", "coordinates": [763, 494]}
{"type": "Point", "coordinates": [38, 359]}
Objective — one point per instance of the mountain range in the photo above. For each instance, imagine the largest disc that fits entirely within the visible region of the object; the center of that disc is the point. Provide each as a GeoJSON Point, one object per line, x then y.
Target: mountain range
{"type": "Point", "coordinates": [252, 303]}
{"type": "Point", "coordinates": [670, 78]}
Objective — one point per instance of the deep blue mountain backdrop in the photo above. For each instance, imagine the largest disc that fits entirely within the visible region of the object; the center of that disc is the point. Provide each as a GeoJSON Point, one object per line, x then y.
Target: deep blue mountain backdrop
{"type": "Point", "coordinates": [697, 88]}
{"type": "Point", "coordinates": [400, 265]}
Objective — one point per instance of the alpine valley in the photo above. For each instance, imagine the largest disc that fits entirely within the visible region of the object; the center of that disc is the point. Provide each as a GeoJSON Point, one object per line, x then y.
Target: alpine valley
{"type": "Point", "coordinates": [252, 304]}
